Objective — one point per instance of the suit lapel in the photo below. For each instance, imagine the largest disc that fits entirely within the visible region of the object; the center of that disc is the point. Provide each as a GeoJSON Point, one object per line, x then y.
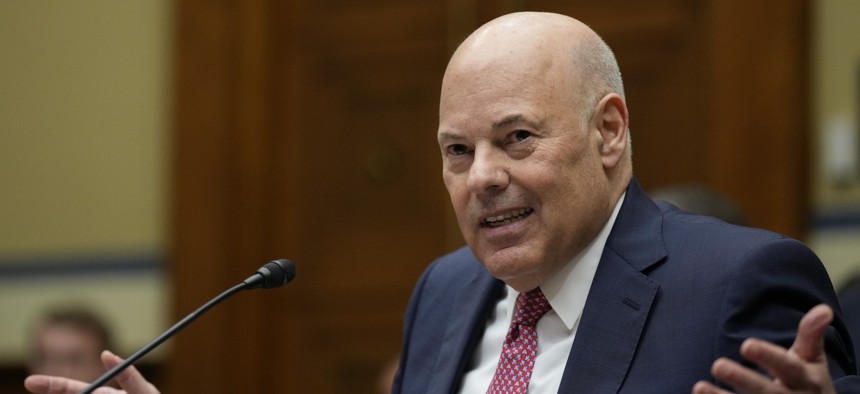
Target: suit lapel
{"type": "Point", "coordinates": [619, 300]}
{"type": "Point", "coordinates": [612, 321]}
{"type": "Point", "coordinates": [464, 329]}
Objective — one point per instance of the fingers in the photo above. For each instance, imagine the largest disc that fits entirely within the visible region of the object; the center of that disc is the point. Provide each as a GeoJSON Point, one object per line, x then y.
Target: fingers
{"type": "Point", "coordinates": [783, 365]}
{"type": "Point", "coordinates": [44, 384]}
{"type": "Point", "coordinates": [130, 379]}
{"type": "Point", "coordinates": [703, 387]}
{"type": "Point", "coordinates": [809, 344]}
{"type": "Point", "coordinates": [803, 366]}
{"type": "Point", "coordinates": [740, 378]}
{"type": "Point", "coordinates": [795, 367]}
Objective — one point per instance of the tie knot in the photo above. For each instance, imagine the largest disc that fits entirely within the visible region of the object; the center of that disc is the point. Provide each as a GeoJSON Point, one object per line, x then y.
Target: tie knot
{"type": "Point", "coordinates": [530, 307]}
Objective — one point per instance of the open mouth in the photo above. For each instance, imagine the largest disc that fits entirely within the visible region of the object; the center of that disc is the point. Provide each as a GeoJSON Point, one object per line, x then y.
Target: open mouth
{"type": "Point", "coordinates": [508, 218]}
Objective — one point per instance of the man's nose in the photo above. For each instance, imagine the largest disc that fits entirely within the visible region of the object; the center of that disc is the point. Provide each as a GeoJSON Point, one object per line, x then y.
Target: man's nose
{"type": "Point", "coordinates": [489, 172]}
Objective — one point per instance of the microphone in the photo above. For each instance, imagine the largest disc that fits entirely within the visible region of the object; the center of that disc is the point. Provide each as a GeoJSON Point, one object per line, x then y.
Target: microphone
{"type": "Point", "coordinates": [275, 273]}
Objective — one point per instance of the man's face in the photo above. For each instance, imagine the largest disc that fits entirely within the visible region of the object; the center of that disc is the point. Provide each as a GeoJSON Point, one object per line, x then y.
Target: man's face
{"type": "Point", "coordinates": [522, 166]}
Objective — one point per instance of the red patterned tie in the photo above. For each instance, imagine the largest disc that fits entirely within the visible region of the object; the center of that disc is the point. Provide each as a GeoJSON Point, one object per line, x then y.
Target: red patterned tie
{"type": "Point", "coordinates": [520, 347]}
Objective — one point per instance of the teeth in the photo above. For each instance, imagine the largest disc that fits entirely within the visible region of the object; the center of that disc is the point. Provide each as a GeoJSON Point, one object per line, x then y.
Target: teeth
{"type": "Point", "coordinates": [507, 218]}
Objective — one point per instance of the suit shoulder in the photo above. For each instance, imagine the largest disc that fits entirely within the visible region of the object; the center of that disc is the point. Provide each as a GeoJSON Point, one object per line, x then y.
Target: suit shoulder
{"type": "Point", "coordinates": [717, 247]}
{"type": "Point", "coordinates": [687, 226]}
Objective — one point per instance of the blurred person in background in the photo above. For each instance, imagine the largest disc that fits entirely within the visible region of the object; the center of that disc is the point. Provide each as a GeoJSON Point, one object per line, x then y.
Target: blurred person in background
{"type": "Point", "coordinates": [67, 342]}
{"type": "Point", "coordinates": [701, 200]}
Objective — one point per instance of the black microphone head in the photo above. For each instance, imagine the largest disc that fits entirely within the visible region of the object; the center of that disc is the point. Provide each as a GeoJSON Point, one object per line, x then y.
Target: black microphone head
{"type": "Point", "coordinates": [275, 273]}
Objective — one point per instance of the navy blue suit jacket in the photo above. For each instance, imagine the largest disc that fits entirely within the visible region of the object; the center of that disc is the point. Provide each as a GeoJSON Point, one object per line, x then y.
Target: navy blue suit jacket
{"type": "Point", "coordinates": [673, 291]}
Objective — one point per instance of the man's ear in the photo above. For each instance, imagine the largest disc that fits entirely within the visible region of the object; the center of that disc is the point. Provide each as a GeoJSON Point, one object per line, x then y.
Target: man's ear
{"type": "Point", "coordinates": [612, 124]}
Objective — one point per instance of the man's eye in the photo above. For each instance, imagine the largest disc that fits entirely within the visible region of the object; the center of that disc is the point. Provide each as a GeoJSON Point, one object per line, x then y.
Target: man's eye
{"type": "Point", "coordinates": [457, 149]}
{"type": "Point", "coordinates": [521, 135]}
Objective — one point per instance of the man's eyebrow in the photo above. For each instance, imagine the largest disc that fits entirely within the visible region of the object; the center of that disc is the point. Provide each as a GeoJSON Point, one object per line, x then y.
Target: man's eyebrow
{"type": "Point", "coordinates": [509, 120]}
{"type": "Point", "coordinates": [445, 135]}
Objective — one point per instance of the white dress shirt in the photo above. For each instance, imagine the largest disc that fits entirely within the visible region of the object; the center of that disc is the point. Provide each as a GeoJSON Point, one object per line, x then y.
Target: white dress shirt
{"type": "Point", "coordinates": [566, 292]}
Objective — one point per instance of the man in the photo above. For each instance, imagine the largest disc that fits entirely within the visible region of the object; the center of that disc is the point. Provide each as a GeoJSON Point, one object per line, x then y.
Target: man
{"type": "Point", "coordinates": [536, 153]}
{"type": "Point", "coordinates": [536, 157]}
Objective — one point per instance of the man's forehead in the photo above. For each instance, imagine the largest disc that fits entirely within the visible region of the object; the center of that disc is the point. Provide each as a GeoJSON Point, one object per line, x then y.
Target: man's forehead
{"type": "Point", "coordinates": [511, 76]}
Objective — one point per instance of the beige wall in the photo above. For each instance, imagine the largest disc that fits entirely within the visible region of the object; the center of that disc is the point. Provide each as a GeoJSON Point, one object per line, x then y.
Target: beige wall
{"type": "Point", "coordinates": [835, 107]}
{"type": "Point", "coordinates": [83, 117]}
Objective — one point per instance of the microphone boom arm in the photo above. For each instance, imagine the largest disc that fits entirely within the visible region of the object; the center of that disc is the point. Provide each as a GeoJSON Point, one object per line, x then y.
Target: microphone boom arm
{"type": "Point", "coordinates": [275, 273]}
{"type": "Point", "coordinates": [161, 338]}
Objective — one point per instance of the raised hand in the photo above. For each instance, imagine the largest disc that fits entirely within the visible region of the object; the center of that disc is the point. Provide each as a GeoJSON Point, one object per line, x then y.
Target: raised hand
{"type": "Point", "coordinates": [130, 380]}
{"type": "Point", "coordinates": [799, 369]}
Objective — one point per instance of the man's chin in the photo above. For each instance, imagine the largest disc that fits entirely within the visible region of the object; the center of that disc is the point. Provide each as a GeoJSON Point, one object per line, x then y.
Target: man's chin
{"type": "Point", "coordinates": [512, 268]}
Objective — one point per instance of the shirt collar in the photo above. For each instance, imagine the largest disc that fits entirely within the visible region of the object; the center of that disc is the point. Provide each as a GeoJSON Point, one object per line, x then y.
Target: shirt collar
{"type": "Point", "coordinates": [567, 290]}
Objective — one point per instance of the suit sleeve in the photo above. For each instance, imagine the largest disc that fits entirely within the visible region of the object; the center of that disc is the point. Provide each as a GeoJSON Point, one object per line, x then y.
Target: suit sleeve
{"type": "Point", "coordinates": [776, 284]}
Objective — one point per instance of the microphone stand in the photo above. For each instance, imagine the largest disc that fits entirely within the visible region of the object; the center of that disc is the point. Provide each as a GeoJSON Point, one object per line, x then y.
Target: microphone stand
{"type": "Point", "coordinates": [161, 338]}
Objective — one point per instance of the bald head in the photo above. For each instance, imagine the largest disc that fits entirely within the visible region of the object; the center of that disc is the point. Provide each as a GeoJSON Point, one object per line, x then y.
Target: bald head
{"type": "Point", "coordinates": [547, 44]}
